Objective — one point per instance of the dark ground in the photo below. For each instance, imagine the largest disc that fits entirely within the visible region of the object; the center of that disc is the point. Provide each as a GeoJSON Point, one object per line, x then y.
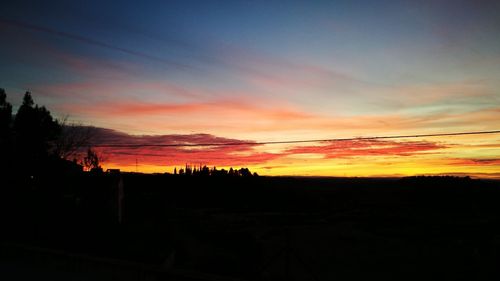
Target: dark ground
{"type": "Point", "coordinates": [256, 228]}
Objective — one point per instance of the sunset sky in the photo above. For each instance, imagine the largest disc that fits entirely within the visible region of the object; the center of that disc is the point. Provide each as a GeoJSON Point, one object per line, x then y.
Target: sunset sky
{"type": "Point", "coordinates": [190, 72]}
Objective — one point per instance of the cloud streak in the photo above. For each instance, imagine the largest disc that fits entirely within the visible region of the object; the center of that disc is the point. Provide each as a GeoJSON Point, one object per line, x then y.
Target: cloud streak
{"type": "Point", "coordinates": [477, 162]}
{"type": "Point", "coordinates": [238, 155]}
{"type": "Point", "coordinates": [244, 154]}
{"type": "Point", "coordinates": [362, 148]}
{"type": "Point", "coordinates": [93, 42]}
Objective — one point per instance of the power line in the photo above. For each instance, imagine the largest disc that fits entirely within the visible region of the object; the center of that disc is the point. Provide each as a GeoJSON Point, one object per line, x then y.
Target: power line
{"type": "Point", "coordinates": [296, 141]}
{"type": "Point", "coordinates": [90, 41]}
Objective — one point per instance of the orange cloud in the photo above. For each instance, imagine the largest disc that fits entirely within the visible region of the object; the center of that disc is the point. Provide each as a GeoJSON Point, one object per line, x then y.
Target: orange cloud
{"type": "Point", "coordinates": [124, 149]}
{"type": "Point", "coordinates": [343, 149]}
{"type": "Point", "coordinates": [256, 118]}
{"type": "Point", "coordinates": [215, 109]}
{"type": "Point", "coordinates": [233, 155]}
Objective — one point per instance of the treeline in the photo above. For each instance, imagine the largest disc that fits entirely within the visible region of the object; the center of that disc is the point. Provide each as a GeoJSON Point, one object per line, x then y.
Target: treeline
{"type": "Point", "coordinates": [189, 170]}
{"type": "Point", "coordinates": [32, 141]}
{"type": "Point", "coordinates": [27, 137]}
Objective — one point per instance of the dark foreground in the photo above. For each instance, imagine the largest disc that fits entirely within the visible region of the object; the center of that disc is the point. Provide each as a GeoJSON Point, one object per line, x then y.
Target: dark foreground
{"type": "Point", "coordinates": [160, 227]}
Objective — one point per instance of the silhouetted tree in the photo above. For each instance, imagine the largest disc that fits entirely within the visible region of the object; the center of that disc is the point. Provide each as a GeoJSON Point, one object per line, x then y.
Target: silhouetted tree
{"type": "Point", "coordinates": [71, 140]}
{"type": "Point", "coordinates": [205, 171]}
{"type": "Point", "coordinates": [245, 172]}
{"type": "Point", "coordinates": [91, 161]}
{"type": "Point", "coordinates": [5, 132]}
{"type": "Point", "coordinates": [5, 115]}
{"type": "Point", "coordinates": [35, 131]}
{"type": "Point", "coordinates": [33, 141]}
{"type": "Point", "coordinates": [188, 171]}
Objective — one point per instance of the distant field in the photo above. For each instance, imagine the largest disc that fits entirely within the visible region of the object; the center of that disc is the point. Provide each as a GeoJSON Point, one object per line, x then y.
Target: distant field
{"type": "Point", "coordinates": [259, 228]}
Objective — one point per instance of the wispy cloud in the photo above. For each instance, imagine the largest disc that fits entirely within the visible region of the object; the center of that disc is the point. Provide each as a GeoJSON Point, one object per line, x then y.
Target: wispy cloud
{"type": "Point", "coordinates": [132, 147]}
{"type": "Point", "coordinates": [476, 162]}
{"type": "Point", "coordinates": [234, 155]}
{"type": "Point", "coordinates": [343, 149]}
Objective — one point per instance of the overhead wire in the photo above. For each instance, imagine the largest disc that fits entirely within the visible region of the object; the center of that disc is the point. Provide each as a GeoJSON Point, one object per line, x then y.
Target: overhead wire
{"type": "Point", "coordinates": [253, 143]}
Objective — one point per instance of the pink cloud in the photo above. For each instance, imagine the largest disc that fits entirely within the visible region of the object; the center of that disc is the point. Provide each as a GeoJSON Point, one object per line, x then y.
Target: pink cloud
{"type": "Point", "coordinates": [269, 115]}
{"type": "Point", "coordinates": [344, 149]}
{"type": "Point", "coordinates": [215, 109]}
{"type": "Point", "coordinates": [232, 155]}
{"type": "Point", "coordinates": [124, 149]}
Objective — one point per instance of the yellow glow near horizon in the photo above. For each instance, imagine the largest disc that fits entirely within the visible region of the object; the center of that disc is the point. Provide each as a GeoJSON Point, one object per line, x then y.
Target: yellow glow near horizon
{"type": "Point", "coordinates": [464, 155]}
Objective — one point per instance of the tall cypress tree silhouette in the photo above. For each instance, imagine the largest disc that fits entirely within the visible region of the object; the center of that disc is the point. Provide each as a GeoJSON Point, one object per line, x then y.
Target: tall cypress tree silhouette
{"type": "Point", "coordinates": [5, 132]}
{"type": "Point", "coordinates": [35, 130]}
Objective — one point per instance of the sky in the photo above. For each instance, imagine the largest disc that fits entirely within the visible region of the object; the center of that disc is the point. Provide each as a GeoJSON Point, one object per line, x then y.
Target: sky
{"type": "Point", "coordinates": [190, 72]}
